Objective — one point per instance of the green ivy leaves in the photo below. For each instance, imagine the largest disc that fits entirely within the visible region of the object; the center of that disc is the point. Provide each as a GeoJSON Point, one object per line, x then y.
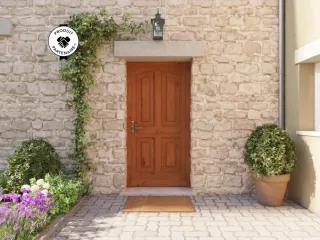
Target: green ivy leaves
{"type": "Point", "coordinates": [93, 31]}
{"type": "Point", "coordinates": [269, 151]}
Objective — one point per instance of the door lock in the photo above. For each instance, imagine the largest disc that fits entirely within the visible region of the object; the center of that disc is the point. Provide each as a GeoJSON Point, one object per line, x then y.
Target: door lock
{"type": "Point", "coordinates": [133, 127]}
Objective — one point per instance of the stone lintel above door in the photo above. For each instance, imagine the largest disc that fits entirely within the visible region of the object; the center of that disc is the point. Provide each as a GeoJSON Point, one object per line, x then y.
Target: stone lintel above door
{"type": "Point", "coordinates": [159, 50]}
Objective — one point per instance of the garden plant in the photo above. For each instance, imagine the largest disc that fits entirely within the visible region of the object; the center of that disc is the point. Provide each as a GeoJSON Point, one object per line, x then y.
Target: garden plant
{"type": "Point", "coordinates": [32, 159]}
{"type": "Point", "coordinates": [270, 154]}
{"type": "Point", "coordinates": [23, 214]}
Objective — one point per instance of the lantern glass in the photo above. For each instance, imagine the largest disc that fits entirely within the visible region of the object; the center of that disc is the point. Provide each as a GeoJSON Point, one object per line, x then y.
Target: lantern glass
{"type": "Point", "coordinates": [157, 31]}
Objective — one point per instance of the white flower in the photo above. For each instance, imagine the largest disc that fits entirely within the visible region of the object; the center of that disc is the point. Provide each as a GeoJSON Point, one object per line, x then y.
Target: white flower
{"type": "Point", "coordinates": [40, 182]}
{"type": "Point", "coordinates": [34, 188]}
{"type": "Point", "coordinates": [46, 185]}
{"type": "Point", "coordinates": [26, 187]}
{"type": "Point", "coordinates": [44, 192]}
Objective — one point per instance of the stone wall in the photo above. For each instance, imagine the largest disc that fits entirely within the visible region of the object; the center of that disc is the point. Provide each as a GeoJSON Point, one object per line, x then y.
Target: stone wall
{"type": "Point", "coordinates": [234, 87]}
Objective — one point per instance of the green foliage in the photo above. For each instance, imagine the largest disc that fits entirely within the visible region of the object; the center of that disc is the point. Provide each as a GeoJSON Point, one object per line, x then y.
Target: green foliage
{"type": "Point", "coordinates": [3, 182]}
{"type": "Point", "coordinates": [34, 158]}
{"type": "Point", "coordinates": [65, 192]}
{"type": "Point", "coordinates": [93, 31]}
{"type": "Point", "coordinates": [269, 151]}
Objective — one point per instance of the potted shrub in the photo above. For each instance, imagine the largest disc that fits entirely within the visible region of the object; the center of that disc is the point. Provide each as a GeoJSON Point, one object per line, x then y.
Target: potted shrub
{"type": "Point", "coordinates": [270, 154]}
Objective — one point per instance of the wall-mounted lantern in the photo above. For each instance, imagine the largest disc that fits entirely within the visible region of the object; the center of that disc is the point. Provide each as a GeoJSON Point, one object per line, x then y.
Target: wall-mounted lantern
{"type": "Point", "coordinates": [157, 25]}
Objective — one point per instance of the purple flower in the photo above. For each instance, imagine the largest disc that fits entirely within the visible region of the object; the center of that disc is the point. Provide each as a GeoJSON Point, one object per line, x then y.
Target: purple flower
{"type": "Point", "coordinates": [23, 190]}
{"type": "Point", "coordinates": [7, 236]}
{"type": "Point", "coordinates": [22, 212]}
{"type": "Point", "coordinates": [16, 228]}
{"type": "Point", "coordinates": [42, 209]}
{"type": "Point", "coordinates": [2, 220]}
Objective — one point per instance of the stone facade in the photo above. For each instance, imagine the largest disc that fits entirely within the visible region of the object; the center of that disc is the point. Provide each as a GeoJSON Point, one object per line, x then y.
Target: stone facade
{"type": "Point", "coordinates": [234, 87]}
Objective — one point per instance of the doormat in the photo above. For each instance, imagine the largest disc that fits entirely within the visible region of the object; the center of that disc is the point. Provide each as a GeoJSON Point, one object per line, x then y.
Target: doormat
{"type": "Point", "coordinates": [158, 204]}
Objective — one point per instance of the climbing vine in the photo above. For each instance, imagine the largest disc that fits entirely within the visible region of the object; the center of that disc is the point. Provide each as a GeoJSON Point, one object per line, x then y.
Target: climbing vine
{"type": "Point", "coordinates": [93, 31]}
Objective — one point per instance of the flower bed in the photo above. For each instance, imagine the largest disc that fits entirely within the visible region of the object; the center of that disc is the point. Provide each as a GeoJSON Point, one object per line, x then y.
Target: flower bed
{"type": "Point", "coordinates": [23, 215]}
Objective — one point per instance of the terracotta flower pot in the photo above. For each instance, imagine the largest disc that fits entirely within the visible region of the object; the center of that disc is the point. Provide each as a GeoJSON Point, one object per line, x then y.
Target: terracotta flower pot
{"type": "Point", "coordinates": [270, 190]}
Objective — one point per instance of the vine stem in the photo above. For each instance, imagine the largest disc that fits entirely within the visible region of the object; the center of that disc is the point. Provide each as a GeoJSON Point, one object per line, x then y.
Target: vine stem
{"type": "Point", "coordinates": [93, 31]}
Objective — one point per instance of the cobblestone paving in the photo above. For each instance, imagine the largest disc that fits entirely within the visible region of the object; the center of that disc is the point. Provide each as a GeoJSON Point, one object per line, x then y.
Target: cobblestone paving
{"type": "Point", "coordinates": [217, 217]}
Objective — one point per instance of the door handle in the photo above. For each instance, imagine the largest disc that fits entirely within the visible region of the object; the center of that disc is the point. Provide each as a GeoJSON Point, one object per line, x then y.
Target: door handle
{"type": "Point", "coordinates": [133, 127]}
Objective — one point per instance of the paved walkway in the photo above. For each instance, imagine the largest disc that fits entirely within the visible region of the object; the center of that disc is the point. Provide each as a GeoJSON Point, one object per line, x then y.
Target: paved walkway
{"type": "Point", "coordinates": [217, 217]}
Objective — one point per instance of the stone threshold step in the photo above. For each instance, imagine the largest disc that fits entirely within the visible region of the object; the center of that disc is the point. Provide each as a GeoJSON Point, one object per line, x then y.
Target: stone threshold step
{"type": "Point", "coordinates": [158, 191]}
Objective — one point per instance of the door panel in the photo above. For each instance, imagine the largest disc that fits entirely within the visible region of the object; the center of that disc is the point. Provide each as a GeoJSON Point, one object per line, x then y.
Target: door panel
{"type": "Point", "coordinates": [170, 155]}
{"type": "Point", "coordinates": [145, 154]}
{"type": "Point", "coordinates": [170, 96]}
{"type": "Point", "coordinates": [158, 101]}
{"type": "Point", "coordinates": [145, 99]}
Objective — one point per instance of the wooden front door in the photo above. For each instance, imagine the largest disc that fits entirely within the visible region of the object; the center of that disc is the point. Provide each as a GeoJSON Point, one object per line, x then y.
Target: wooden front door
{"type": "Point", "coordinates": [158, 124]}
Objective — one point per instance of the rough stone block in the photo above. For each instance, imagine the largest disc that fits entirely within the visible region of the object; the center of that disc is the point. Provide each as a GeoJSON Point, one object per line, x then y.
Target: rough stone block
{"type": "Point", "coordinates": [195, 21]}
{"type": "Point", "coordinates": [52, 88]}
{"type": "Point", "coordinates": [206, 68]}
{"type": "Point", "coordinates": [268, 68]}
{"type": "Point", "coordinates": [73, 3]}
{"type": "Point", "coordinates": [252, 47]}
{"type": "Point", "coordinates": [20, 125]}
{"type": "Point", "coordinates": [201, 3]}
{"type": "Point", "coordinates": [223, 68]}
{"type": "Point", "coordinates": [233, 48]}
{"type": "Point", "coordinates": [212, 36]}
{"type": "Point", "coordinates": [43, 2]}
{"type": "Point", "coordinates": [118, 180]}
{"type": "Point", "coordinates": [232, 180]}
{"type": "Point", "coordinates": [175, 2]}
{"type": "Point", "coordinates": [236, 21]}
{"type": "Point", "coordinates": [146, 3]}
{"type": "Point", "coordinates": [32, 21]}
{"type": "Point", "coordinates": [16, 88]}
{"type": "Point", "coordinates": [250, 88]}
{"type": "Point", "coordinates": [219, 21]}
{"type": "Point", "coordinates": [252, 20]}
{"type": "Point", "coordinates": [124, 3]}
{"type": "Point", "coordinates": [214, 181]}
{"type": "Point", "coordinates": [247, 68]}
{"type": "Point", "coordinates": [257, 3]}
{"type": "Point", "coordinates": [20, 68]}
{"type": "Point", "coordinates": [114, 125]}
{"type": "Point", "coordinates": [182, 36]}
{"type": "Point", "coordinates": [234, 3]}
{"type": "Point", "coordinates": [28, 36]}
{"type": "Point", "coordinates": [228, 88]}
{"type": "Point", "coordinates": [253, 114]}
{"type": "Point", "coordinates": [5, 68]}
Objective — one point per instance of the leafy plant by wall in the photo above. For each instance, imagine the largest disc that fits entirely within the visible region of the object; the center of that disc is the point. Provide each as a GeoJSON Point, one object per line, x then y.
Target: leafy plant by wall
{"type": "Point", "coordinates": [93, 31]}
{"type": "Point", "coordinates": [269, 151]}
{"type": "Point", "coordinates": [34, 158]}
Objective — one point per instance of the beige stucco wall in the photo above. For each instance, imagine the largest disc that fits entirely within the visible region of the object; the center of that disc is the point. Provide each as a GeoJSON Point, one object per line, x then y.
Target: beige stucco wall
{"type": "Point", "coordinates": [305, 182]}
{"type": "Point", "coordinates": [234, 86]}
{"type": "Point", "coordinates": [302, 28]}
{"type": "Point", "coordinates": [306, 17]}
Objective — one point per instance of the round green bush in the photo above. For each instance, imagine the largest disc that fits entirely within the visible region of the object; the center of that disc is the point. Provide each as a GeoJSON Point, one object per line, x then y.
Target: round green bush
{"type": "Point", "coordinates": [33, 159]}
{"type": "Point", "coordinates": [269, 151]}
